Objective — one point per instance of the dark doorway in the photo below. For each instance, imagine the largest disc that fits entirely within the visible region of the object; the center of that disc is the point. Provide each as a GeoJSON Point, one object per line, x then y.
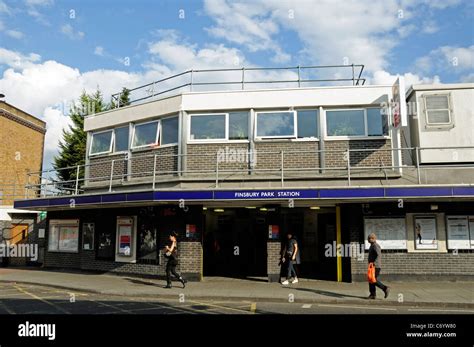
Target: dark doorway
{"type": "Point", "coordinates": [235, 243]}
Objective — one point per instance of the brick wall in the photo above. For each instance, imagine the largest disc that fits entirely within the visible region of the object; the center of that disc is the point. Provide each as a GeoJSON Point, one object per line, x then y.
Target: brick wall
{"type": "Point", "coordinates": [202, 157]}
{"type": "Point", "coordinates": [21, 151]}
{"type": "Point", "coordinates": [190, 259]}
{"type": "Point", "coordinates": [362, 158]}
{"type": "Point", "coordinates": [100, 167]}
{"type": "Point", "coordinates": [273, 258]}
{"type": "Point", "coordinates": [143, 162]}
{"type": "Point", "coordinates": [416, 265]}
{"type": "Point", "coordinates": [303, 154]}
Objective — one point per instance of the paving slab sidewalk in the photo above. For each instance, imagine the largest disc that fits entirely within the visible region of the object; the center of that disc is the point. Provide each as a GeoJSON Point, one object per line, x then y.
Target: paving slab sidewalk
{"type": "Point", "coordinates": [427, 293]}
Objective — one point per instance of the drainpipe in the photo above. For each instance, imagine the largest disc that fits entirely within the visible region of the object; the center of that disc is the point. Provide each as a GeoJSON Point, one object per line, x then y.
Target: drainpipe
{"type": "Point", "coordinates": [322, 131]}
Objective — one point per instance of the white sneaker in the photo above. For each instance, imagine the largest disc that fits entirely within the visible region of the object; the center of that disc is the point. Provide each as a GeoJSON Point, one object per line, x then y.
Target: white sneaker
{"type": "Point", "coordinates": [295, 280]}
{"type": "Point", "coordinates": [285, 283]}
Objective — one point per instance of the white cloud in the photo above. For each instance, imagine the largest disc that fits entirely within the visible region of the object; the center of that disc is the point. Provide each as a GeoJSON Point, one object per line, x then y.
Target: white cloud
{"type": "Point", "coordinates": [32, 10]}
{"type": "Point", "coordinates": [69, 31]}
{"type": "Point", "coordinates": [468, 78]}
{"type": "Point", "coordinates": [99, 50]}
{"type": "Point", "coordinates": [4, 8]}
{"type": "Point", "coordinates": [429, 27]}
{"type": "Point", "coordinates": [39, 2]}
{"type": "Point", "coordinates": [17, 60]}
{"type": "Point", "coordinates": [386, 78]}
{"type": "Point", "coordinates": [447, 58]}
{"type": "Point", "coordinates": [15, 34]}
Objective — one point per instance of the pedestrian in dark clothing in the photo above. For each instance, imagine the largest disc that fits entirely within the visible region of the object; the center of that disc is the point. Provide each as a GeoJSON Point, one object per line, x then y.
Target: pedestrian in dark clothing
{"type": "Point", "coordinates": [171, 253]}
{"type": "Point", "coordinates": [291, 256]}
{"type": "Point", "coordinates": [375, 256]}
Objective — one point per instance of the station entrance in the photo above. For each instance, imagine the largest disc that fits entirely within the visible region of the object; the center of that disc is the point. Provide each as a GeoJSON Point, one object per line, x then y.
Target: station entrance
{"type": "Point", "coordinates": [235, 240]}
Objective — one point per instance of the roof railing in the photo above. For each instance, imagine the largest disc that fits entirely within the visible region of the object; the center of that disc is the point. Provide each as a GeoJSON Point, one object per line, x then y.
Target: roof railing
{"type": "Point", "coordinates": [298, 76]}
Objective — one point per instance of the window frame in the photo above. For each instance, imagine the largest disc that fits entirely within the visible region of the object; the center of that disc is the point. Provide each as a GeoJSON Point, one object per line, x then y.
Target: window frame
{"type": "Point", "coordinates": [161, 131]}
{"type": "Point", "coordinates": [111, 146]}
{"type": "Point", "coordinates": [157, 135]}
{"type": "Point", "coordinates": [318, 125]}
{"type": "Point", "coordinates": [115, 140]}
{"type": "Point", "coordinates": [220, 140]}
{"type": "Point", "coordinates": [353, 137]}
{"type": "Point", "coordinates": [295, 126]}
{"type": "Point", "coordinates": [434, 125]}
{"type": "Point", "coordinates": [60, 223]}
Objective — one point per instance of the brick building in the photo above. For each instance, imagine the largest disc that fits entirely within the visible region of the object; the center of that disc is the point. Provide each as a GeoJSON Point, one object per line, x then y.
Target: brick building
{"type": "Point", "coordinates": [232, 171]}
{"type": "Point", "coordinates": [21, 152]}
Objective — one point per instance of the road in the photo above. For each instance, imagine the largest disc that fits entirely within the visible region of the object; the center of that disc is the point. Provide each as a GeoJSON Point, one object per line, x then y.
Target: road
{"type": "Point", "coordinates": [18, 298]}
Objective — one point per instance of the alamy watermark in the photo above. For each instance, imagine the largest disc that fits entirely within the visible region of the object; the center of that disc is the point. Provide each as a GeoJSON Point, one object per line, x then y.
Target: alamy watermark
{"type": "Point", "coordinates": [22, 250]}
{"type": "Point", "coordinates": [353, 250]}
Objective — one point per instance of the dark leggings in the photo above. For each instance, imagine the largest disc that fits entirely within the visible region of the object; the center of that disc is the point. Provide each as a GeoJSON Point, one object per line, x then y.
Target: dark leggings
{"type": "Point", "coordinates": [171, 269]}
{"type": "Point", "coordinates": [372, 286]}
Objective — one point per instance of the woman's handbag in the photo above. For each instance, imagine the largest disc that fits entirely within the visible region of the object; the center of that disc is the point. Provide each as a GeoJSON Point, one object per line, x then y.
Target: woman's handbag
{"type": "Point", "coordinates": [371, 273]}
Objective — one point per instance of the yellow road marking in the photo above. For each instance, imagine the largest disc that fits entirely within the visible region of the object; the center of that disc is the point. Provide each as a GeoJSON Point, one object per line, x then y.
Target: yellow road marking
{"type": "Point", "coordinates": [42, 300]}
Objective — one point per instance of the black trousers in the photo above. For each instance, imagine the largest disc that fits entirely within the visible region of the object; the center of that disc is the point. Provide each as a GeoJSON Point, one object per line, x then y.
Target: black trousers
{"type": "Point", "coordinates": [171, 269]}
{"type": "Point", "coordinates": [372, 286]}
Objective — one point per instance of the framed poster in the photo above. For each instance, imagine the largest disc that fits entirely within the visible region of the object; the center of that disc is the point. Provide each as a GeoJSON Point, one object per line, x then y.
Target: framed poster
{"type": "Point", "coordinates": [124, 229]}
{"type": "Point", "coordinates": [425, 232]}
{"type": "Point", "coordinates": [471, 230]}
{"type": "Point", "coordinates": [391, 232]}
{"type": "Point", "coordinates": [63, 235]}
{"type": "Point", "coordinates": [88, 236]}
{"type": "Point", "coordinates": [458, 232]}
{"type": "Point", "coordinates": [191, 231]}
{"type": "Point", "coordinates": [273, 232]}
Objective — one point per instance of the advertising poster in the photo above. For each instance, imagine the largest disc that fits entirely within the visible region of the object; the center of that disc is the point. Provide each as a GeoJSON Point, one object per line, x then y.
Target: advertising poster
{"type": "Point", "coordinates": [391, 232]}
{"type": "Point", "coordinates": [425, 233]}
{"type": "Point", "coordinates": [88, 236]}
{"type": "Point", "coordinates": [191, 231]}
{"type": "Point", "coordinates": [68, 238]}
{"type": "Point", "coordinates": [458, 232]}
{"type": "Point", "coordinates": [147, 242]}
{"type": "Point", "coordinates": [273, 232]}
{"type": "Point", "coordinates": [125, 240]}
{"type": "Point", "coordinates": [471, 230]}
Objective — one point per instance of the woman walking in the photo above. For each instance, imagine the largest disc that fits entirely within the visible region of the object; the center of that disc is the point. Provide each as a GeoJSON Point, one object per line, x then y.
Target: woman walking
{"type": "Point", "coordinates": [171, 253]}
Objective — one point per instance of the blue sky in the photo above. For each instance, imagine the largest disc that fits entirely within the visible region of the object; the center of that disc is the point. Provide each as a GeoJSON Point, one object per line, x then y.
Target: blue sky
{"type": "Point", "coordinates": [51, 50]}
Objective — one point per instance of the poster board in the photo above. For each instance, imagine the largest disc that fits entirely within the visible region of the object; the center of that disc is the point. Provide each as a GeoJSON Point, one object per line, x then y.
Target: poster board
{"type": "Point", "coordinates": [125, 226]}
{"type": "Point", "coordinates": [391, 232]}
{"type": "Point", "coordinates": [273, 232]}
{"type": "Point", "coordinates": [425, 232]}
{"type": "Point", "coordinates": [458, 232]}
{"type": "Point", "coordinates": [88, 236]}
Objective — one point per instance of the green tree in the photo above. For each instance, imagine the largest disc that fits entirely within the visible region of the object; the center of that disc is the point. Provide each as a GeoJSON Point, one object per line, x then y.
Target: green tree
{"type": "Point", "coordinates": [124, 99]}
{"type": "Point", "coordinates": [72, 147]}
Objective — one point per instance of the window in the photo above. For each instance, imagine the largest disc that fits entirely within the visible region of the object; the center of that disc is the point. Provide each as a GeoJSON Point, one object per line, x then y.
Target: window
{"type": "Point", "coordinates": [276, 124]}
{"type": "Point", "coordinates": [345, 123]}
{"type": "Point", "coordinates": [377, 123]}
{"type": "Point", "coordinates": [145, 134]}
{"type": "Point", "coordinates": [437, 109]}
{"type": "Point", "coordinates": [121, 139]}
{"type": "Point", "coordinates": [101, 142]}
{"type": "Point", "coordinates": [63, 235]}
{"type": "Point", "coordinates": [169, 130]}
{"type": "Point", "coordinates": [238, 125]}
{"type": "Point", "coordinates": [307, 123]}
{"type": "Point", "coordinates": [208, 127]}
{"type": "Point", "coordinates": [357, 122]}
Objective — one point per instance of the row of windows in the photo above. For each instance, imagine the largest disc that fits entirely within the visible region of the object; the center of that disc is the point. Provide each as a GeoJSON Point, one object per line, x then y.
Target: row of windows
{"type": "Point", "coordinates": [154, 133]}
{"type": "Point", "coordinates": [231, 126]}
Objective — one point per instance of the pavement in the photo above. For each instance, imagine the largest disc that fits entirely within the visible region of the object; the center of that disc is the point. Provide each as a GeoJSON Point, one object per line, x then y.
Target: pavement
{"type": "Point", "coordinates": [459, 294]}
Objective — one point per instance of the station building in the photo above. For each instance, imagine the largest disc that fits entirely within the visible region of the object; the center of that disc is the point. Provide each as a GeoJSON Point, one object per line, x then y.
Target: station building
{"type": "Point", "coordinates": [232, 171]}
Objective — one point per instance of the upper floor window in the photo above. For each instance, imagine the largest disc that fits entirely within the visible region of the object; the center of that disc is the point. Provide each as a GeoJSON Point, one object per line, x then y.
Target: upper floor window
{"type": "Point", "coordinates": [437, 109]}
{"type": "Point", "coordinates": [356, 122]}
{"type": "Point", "coordinates": [169, 130]}
{"type": "Point", "coordinates": [101, 142]}
{"type": "Point", "coordinates": [219, 126]}
{"type": "Point", "coordinates": [287, 124]}
{"type": "Point", "coordinates": [145, 134]}
{"type": "Point", "coordinates": [121, 139]}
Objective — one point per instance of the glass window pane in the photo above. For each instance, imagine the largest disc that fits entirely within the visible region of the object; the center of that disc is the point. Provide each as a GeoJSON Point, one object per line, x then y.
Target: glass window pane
{"type": "Point", "coordinates": [307, 123]}
{"type": "Point", "coordinates": [238, 125]}
{"type": "Point", "coordinates": [377, 123]}
{"type": "Point", "coordinates": [145, 134]}
{"type": "Point", "coordinates": [438, 117]}
{"type": "Point", "coordinates": [278, 124]}
{"type": "Point", "coordinates": [437, 102]}
{"type": "Point", "coordinates": [101, 142]}
{"type": "Point", "coordinates": [121, 139]}
{"type": "Point", "coordinates": [345, 123]}
{"type": "Point", "coordinates": [208, 127]}
{"type": "Point", "coordinates": [169, 130]}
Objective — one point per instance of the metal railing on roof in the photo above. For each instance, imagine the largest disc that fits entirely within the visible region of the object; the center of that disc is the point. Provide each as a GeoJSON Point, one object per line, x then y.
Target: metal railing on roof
{"type": "Point", "coordinates": [297, 76]}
